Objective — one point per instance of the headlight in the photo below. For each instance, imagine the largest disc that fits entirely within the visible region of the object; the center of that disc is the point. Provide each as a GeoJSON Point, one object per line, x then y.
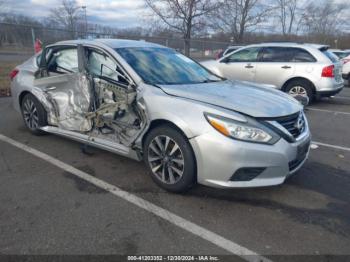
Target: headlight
{"type": "Point", "coordinates": [250, 131]}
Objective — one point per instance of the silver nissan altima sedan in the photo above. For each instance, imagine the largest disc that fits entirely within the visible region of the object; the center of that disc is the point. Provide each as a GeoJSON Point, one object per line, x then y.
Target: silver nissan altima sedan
{"type": "Point", "coordinates": [148, 102]}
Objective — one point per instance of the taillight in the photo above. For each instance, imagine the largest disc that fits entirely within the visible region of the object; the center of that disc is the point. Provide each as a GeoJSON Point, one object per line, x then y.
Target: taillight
{"type": "Point", "coordinates": [328, 71]}
{"type": "Point", "coordinates": [13, 73]}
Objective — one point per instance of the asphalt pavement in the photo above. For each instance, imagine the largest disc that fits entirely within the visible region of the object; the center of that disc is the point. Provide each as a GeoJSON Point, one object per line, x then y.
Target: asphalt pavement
{"type": "Point", "coordinates": [47, 210]}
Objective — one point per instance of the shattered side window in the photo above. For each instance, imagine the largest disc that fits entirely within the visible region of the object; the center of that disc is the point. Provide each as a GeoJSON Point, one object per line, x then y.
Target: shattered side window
{"type": "Point", "coordinates": [100, 64]}
{"type": "Point", "coordinates": [96, 60]}
{"type": "Point", "coordinates": [64, 61]}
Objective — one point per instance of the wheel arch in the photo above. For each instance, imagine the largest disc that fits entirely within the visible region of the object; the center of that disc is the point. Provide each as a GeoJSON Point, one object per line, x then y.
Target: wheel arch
{"type": "Point", "coordinates": [36, 95]}
{"type": "Point", "coordinates": [159, 122]}
{"type": "Point", "coordinates": [40, 109]}
{"type": "Point", "coordinates": [22, 95]}
{"type": "Point", "coordinates": [299, 79]}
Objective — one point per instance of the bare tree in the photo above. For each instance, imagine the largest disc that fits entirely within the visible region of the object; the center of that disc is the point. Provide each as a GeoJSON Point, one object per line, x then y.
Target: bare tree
{"type": "Point", "coordinates": [183, 16]}
{"type": "Point", "coordinates": [324, 19]}
{"type": "Point", "coordinates": [67, 15]}
{"type": "Point", "coordinates": [287, 11]}
{"type": "Point", "coordinates": [16, 29]}
{"type": "Point", "coordinates": [236, 17]}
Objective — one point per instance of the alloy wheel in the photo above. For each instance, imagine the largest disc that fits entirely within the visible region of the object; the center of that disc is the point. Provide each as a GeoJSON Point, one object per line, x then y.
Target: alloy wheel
{"type": "Point", "coordinates": [30, 114]}
{"type": "Point", "coordinates": [166, 159]}
{"type": "Point", "coordinates": [298, 91]}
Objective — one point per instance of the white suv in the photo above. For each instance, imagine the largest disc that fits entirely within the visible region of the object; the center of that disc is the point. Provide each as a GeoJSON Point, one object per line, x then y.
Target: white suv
{"type": "Point", "coordinates": [298, 69]}
{"type": "Point", "coordinates": [344, 56]}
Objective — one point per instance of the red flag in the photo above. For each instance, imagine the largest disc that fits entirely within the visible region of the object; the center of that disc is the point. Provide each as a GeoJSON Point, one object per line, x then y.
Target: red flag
{"type": "Point", "coordinates": [38, 45]}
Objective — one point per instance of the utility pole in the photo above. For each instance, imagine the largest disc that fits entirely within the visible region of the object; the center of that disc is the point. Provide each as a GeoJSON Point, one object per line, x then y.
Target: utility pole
{"type": "Point", "coordinates": [85, 18]}
{"type": "Point", "coordinates": [33, 38]}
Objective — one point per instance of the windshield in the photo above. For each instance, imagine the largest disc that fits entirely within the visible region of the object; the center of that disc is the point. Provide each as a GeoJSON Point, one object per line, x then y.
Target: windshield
{"type": "Point", "coordinates": [342, 55]}
{"type": "Point", "coordinates": [331, 56]}
{"type": "Point", "coordinates": [164, 66]}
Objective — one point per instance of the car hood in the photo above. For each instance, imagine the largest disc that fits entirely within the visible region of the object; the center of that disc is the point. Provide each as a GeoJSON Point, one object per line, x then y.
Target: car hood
{"type": "Point", "coordinates": [248, 98]}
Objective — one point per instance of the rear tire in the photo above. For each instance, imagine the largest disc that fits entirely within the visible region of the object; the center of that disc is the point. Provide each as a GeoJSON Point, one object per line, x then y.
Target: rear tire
{"type": "Point", "coordinates": [300, 87]}
{"type": "Point", "coordinates": [170, 159]}
{"type": "Point", "coordinates": [34, 114]}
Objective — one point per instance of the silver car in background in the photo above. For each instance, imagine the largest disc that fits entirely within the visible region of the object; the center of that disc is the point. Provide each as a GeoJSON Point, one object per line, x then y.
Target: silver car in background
{"type": "Point", "coordinates": [298, 69]}
{"type": "Point", "coordinates": [148, 102]}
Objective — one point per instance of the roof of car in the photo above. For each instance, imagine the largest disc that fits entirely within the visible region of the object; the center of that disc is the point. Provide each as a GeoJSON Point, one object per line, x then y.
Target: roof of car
{"type": "Point", "coordinates": [292, 44]}
{"type": "Point", "coordinates": [339, 50]}
{"type": "Point", "coordinates": [113, 43]}
{"type": "Point", "coordinates": [235, 46]}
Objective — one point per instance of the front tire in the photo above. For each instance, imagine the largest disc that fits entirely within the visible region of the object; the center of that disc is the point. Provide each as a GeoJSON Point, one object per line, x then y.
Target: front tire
{"type": "Point", "coordinates": [34, 114]}
{"type": "Point", "coordinates": [300, 88]}
{"type": "Point", "coordinates": [170, 159]}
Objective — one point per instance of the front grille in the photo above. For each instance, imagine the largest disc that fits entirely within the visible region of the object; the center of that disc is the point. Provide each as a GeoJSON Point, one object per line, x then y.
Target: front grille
{"type": "Point", "coordinates": [301, 155]}
{"type": "Point", "coordinates": [295, 163]}
{"type": "Point", "coordinates": [294, 124]}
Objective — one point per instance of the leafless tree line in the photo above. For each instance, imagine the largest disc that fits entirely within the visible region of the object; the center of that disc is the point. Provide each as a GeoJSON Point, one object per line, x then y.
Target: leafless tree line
{"type": "Point", "coordinates": [238, 21]}
{"type": "Point", "coordinates": [68, 15]}
{"type": "Point", "coordinates": [185, 17]}
{"type": "Point", "coordinates": [236, 17]}
{"type": "Point", "coordinates": [322, 20]}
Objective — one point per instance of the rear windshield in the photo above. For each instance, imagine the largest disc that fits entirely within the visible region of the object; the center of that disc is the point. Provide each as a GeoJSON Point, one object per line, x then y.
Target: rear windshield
{"type": "Point", "coordinates": [331, 56]}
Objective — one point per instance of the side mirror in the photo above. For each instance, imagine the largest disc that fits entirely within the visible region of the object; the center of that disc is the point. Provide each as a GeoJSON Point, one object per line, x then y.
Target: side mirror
{"type": "Point", "coordinates": [225, 60]}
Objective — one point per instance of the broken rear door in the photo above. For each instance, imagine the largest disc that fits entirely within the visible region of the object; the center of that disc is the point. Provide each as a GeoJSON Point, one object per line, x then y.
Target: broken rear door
{"type": "Point", "coordinates": [66, 87]}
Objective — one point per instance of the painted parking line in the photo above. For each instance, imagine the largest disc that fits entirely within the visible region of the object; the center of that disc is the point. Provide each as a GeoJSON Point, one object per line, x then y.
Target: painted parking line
{"type": "Point", "coordinates": [327, 111]}
{"type": "Point", "coordinates": [342, 97]}
{"type": "Point", "coordinates": [331, 146]}
{"type": "Point", "coordinates": [174, 219]}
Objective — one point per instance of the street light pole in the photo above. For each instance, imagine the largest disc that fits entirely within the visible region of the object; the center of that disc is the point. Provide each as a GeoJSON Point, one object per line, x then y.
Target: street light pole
{"type": "Point", "coordinates": [85, 18]}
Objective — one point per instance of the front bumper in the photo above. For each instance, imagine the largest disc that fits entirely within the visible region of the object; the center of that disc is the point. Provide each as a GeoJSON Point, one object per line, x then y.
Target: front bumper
{"type": "Point", "coordinates": [219, 158]}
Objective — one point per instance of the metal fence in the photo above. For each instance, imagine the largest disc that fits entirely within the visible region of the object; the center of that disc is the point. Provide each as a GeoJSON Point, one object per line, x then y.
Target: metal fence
{"type": "Point", "coordinates": [20, 39]}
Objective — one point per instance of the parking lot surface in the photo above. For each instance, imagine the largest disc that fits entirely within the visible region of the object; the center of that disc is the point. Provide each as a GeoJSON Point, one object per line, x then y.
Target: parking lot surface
{"type": "Point", "coordinates": [47, 210]}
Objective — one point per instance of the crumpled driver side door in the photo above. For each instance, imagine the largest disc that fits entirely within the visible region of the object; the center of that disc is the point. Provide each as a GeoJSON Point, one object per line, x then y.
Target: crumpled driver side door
{"type": "Point", "coordinates": [66, 87]}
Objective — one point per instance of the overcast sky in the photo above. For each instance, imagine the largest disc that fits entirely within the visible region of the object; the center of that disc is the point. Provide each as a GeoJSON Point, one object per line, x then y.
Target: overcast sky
{"type": "Point", "coordinates": [116, 13]}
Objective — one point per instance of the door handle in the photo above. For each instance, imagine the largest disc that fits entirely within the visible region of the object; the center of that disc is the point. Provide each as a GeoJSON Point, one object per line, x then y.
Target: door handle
{"type": "Point", "coordinates": [50, 88]}
{"type": "Point", "coordinates": [249, 66]}
{"type": "Point", "coordinates": [286, 67]}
